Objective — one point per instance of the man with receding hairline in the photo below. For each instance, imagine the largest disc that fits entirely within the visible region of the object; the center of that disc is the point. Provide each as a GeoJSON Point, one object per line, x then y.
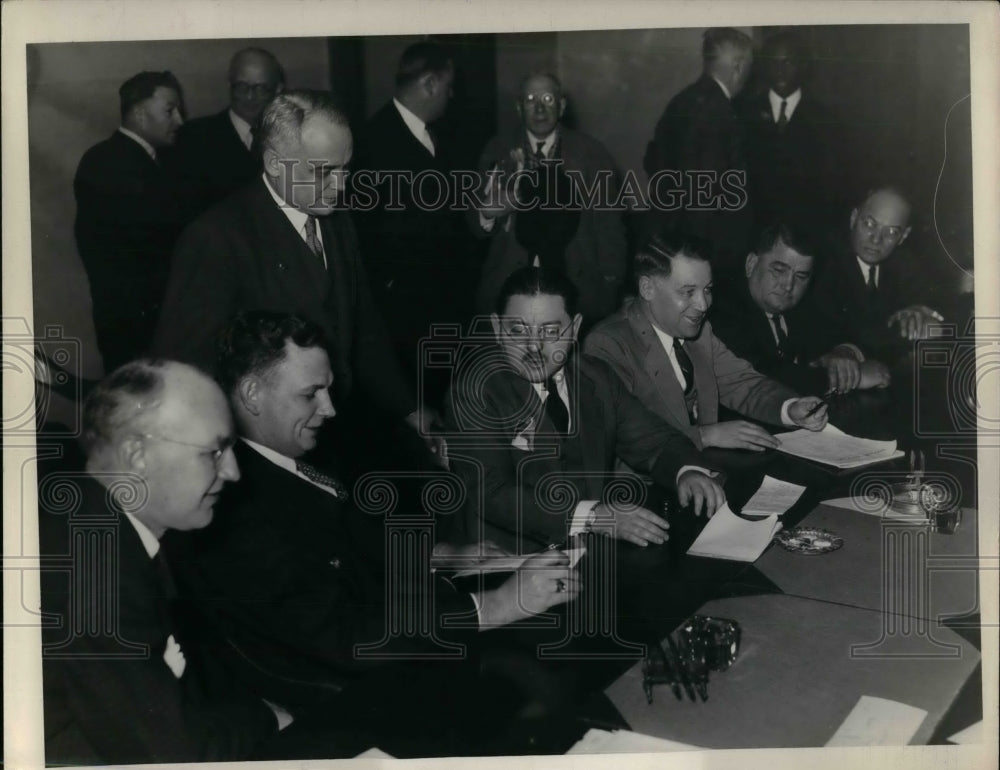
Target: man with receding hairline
{"type": "Point", "coordinates": [214, 154]}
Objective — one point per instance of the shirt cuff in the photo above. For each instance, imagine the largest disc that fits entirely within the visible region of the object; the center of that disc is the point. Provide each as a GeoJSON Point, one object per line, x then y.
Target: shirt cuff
{"type": "Point", "coordinates": [582, 516]}
{"type": "Point", "coordinates": [486, 223]}
{"type": "Point", "coordinates": [854, 351]}
{"type": "Point", "coordinates": [685, 468]}
{"type": "Point", "coordinates": [785, 419]}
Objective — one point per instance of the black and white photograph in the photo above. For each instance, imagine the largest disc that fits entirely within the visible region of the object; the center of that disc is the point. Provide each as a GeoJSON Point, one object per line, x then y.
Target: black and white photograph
{"type": "Point", "coordinates": [555, 383]}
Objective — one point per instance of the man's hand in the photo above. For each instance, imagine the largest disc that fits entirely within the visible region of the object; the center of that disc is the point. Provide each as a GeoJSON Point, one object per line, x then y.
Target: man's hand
{"type": "Point", "coordinates": [874, 374]}
{"type": "Point", "coordinates": [701, 490]}
{"type": "Point", "coordinates": [637, 525]}
{"type": "Point", "coordinates": [843, 373]}
{"type": "Point", "coordinates": [800, 412]}
{"type": "Point", "coordinates": [914, 321]}
{"type": "Point", "coordinates": [423, 421]}
{"type": "Point", "coordinates": [498, 202]}
{"type": "Point", "coordinates": [737, 434]}
{"type": "Point", "coordinates": [543, 581]}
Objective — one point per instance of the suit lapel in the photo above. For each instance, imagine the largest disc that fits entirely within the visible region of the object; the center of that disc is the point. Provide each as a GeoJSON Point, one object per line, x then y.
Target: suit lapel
{"type": "Point", "coordinates": [704, 378]}
{"type": "Point", "coordinates": [658, 367]}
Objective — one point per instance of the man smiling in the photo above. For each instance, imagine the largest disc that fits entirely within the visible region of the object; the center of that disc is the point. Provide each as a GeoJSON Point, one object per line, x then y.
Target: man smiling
{"type": "Point", "coordinates": [665, 351]}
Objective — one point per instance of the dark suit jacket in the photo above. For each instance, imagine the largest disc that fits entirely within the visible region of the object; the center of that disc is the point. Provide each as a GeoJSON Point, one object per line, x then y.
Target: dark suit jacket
{"type": "Point", "coordinates": [595, 257]}
{"type": "Point", "coordinates": [700, 131]}
{"type": "Point", "coordinates": [131, 708]}
{"type": "Point", "coordinates": [245, 255]}
{"type": "Point", "coordinates": [793, 172]}
{"type": "Point", "coordinates": [747, 331]}
{"type": "Point", "coordinates": [126, 223]}
{"type": "Point", "coordinates": [628, 343]}
{"type": "Point", "coordinates": [210, 162]}
{"type": "Point", "coordinates": [291, 578]}
{"type": "Point", "coordinates": [515, 467]}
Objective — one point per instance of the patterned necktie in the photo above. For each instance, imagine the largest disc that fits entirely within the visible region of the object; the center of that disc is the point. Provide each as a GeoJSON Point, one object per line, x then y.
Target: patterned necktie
{"type": "Point", "coordinates": [313, 473]}
{"type": "Point", "coordinates": [312, 239]}
{"type": "Point", "coordinates": [779, 332]}
{"type": "Point", "coordinates": [782, 117]}
{"type": "Point", "coordinates": [555, 408]}
{"type": "Point", "coordinates": [687, 369]}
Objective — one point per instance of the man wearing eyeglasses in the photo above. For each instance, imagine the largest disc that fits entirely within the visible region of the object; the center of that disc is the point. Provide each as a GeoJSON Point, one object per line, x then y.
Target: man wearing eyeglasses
{"type": "Point", "coordinates": [122, 681]}
{"type": "Point", "coordinates": [214, 154]}
{"type": "Point", "coordinates": [538, 431]}
{"type": "Point", "coordinates": [869, 288]}
{"type": "Point", "coordinates": [586, 244]}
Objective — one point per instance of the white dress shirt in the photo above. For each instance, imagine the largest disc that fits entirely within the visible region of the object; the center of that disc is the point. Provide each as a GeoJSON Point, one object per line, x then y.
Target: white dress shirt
{"type": "Point", "coordinates": [296, 217]}
{"type": "Point", "coordinates": [149, 541]}
{"type": "Point", "coordinates": [242, 129]}
{"type": "Point", "coordinates": [543, 393]}
{"type": "Point", "coordinates": [150, 150]}
{"type": "Point", "coordinates": [723, 87]}
{"type": "Point", "coordinates": [286, 463]}
{"type": "Point", "coordinates": [417, 127]}
{"type": "Point", "coordinates": [866, 268]}
{"type": "Point", "coordinates": [791, 102]}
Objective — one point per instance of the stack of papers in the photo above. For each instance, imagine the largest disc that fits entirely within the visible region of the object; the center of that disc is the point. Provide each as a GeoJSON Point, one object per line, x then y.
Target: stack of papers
{"type": "Point", "coordinates": [624, 742]}
{"type": "Point", "coordinates": [727, 536]}
{"type": "Point", "coordinates": [508, 563]}
{"type": "Point", "coordinates": [831, 446]}
{"type": "Point", "coordinates": [773, 497]}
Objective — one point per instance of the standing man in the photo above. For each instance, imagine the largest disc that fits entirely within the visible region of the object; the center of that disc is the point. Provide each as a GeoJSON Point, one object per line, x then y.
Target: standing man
{"type": "Point", "coordinates": [279, 244]}
{"type": "Point", "coordinates": [537, 420]}
{"type": "Point", "coordinates": [214, 154]}
{"type": "Point", "coordinates": [700, 132]}
{"type": "Point", "coordinates": [663, 348]}
{"type": "Point", "coordinates": [127, 217]}
{"type": "Point", "coordinates": [585, 244]}
{"type": "Point", "coordinates": [419, 258]}
{"type": "Point", "coordinates": [766, 322]}
{"type": "Point", "coordinates": [122, 683]}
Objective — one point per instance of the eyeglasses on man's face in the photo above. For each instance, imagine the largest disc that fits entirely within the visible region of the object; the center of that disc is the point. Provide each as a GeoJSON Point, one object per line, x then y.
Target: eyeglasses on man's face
{"type": "Point", "coordinates": [889, 233]}
{"type": "Point", "coordinates": [256, 90]}
{"type": "Point", "coordinates": [518, 331]}
{"type": "Point", "coordinates": [547, 99]}
{"type": "Point", "coordinates": [215, 453]}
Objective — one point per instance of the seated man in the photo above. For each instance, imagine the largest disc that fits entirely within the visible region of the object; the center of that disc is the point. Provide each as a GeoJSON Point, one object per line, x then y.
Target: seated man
{"type": "Point", "coordinates": [667, 355]}
{"type": "Point", "coordinates": [766, 322]}
{"type": "Point", "coordinates": [531, 420]}
{"type": "Point", "coordinates": [285, 572]}
{"type": "Point", "coordinates": [122, 683]}
{"type": "Point", "coordinates": [869, 288]}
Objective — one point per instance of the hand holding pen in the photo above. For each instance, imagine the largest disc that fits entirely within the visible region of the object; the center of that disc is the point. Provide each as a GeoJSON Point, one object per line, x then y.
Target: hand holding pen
{"type": "Point", "coordinates": [810, 412]}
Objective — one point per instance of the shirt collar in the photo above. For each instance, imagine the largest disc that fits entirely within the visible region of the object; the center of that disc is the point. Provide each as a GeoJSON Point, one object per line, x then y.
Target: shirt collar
{"type": "Point", "coordinates": [296, 217]}
{"type": "Point", "coordinates": [243, 128]}
{"type": "Point", "coordinates": [865, 267]}
{"type": "Point", "coordinates": [791, 102]}
{"type": "Point", "coordinates": [546, 143]}
{"type": "Point", "coordinates": [287, 463]}
{"type": "Point", "coordinates": [665, 339]}
{"type": "Point", "coordinates": [150, 150]}
{"type": "Point", "coordinates": [416, 125]}
{"type": "Point", "coordinates": [149, 541]}
{"type": "Point", "coordinates": [723, 87]}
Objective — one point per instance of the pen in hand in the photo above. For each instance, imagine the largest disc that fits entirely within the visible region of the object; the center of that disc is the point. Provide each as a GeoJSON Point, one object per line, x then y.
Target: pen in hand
{"type": "Point", "coordinates": [824, 401]}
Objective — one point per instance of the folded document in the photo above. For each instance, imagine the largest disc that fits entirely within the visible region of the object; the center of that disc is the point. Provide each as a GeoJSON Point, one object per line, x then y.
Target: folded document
{"type": "Point", "coordinates": [727, 536]}
{"type": "Point", "coordinates": [831, 446]}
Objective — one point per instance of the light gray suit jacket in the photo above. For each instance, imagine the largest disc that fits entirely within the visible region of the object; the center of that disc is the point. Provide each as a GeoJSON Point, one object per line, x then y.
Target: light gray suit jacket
{"type": "Point", "coordinates": [627, 341]}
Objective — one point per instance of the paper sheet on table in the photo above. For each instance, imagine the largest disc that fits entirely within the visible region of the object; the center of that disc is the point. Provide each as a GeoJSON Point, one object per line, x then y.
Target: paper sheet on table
{"type": "Point", "coordinates": [773, 497]}
{"type": "Point", "coordinates": [727, 536]}
{"type": "Point", "coordinates": [971, 734]}
{"type": "Point", "coordinates": [878, 722]}
{"type": "Point", "coordinates": [831, 446]}
{"type": "Point", "coordinates": [624, 742]}
{"type": "Point", "coordinates": [511, 563]}
{"type": "Point", "coordinates": [374, 753]}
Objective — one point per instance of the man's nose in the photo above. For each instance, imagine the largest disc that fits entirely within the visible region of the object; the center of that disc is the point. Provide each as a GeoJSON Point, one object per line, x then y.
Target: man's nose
{"type": "Point", "coordinates": [229, 470]}
{"type": "Point", "coordinates": [701, 302]}
{"type": "Point", "coordinates": [326, 408]}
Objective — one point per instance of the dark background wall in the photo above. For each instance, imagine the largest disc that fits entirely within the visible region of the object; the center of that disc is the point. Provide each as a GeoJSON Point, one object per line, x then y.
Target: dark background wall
{"type": "Point", "coordinates": [889, 89]}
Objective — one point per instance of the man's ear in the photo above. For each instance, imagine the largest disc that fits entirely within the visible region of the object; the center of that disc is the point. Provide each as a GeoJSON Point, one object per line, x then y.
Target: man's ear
{"type": "Point", "coordinates": [495, 321]}
{"type": "Point", "coordinates": [248, 394]}
{"type": "Point", "coordinates": [854, 217]}
{"type": "Point", "coordinates": [429, 83]}
{"type": "Point", "coordinates": [646, 287]}
{"type": "Point", "coordinates": [904, 236]}
{"type": "Point", "coordinates": [132, 454]}
{"type": "Point", "coordinates": [272, 163]}
{"type": "Point", "coordinates": [562, 106]}
{"type": "Point", "coordinates": [751, 263]}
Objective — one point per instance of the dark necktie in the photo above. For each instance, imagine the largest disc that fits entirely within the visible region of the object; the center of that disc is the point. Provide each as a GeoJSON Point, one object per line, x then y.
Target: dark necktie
{"type": "Point", "coordinates": [687, 369]}
{"type": "Point", "coordinates": [540, 152]}
{"type": "Point", "coordinates": [313, 473]}
{"type": "Point", "coordinates": [782, 116]}
{"type": "Point", "coordinates": [780, 334]}
{"type": "Point", "coordinates": [312, 239]}
{"type": "Point", "coordinates": [872, 286]}
{"type": "Point", "coordinates": [555, 408]}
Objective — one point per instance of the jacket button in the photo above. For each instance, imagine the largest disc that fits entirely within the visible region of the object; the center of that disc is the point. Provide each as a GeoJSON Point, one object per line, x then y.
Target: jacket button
{"type": "Point", "coordinates": [335, 563]}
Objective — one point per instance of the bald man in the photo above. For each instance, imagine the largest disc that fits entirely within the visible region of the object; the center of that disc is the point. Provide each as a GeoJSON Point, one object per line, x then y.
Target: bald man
{"type": "Point", "coordinates": [214, 156]}
{"type": "Point", "coordinates": [122, 682]}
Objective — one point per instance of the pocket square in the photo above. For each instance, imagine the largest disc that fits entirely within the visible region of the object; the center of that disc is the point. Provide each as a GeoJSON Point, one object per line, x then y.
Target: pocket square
{"type": "Point", "coordinates": [173, 656]}
{"type": "Point", "coordinates": [524, 438]}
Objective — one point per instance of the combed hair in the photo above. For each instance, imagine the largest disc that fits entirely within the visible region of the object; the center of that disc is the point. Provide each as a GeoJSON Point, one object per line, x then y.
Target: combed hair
{"type": "Point", "coordinates": [263, 53]}
{"type": "Point", "coordinates": [254, 342]}
{"type": "Point", "coordinates": [115, 401]}
{"type": "Point", "coordinates": [419, 59]}
{"type": "Point", "coordinates": [141, 87]}
{"type": "Point", "coordinates": [655, 256]}
{"type": "Point", "coordinates": [786, 39]}
{"type": "Point", "coordinates": [715, 39]}
{"type": "Point", "coordinates": [282, 119]}
{"type": "Point", "coordinates": [793, 235]}
{"type": "Point", "coordinates": [535, 281]}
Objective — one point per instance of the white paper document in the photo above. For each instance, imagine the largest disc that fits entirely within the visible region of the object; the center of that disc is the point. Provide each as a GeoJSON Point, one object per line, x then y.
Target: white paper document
{"type": "Point", "coordinates": [773, 497]}
{"type": "Point", "coordinates": [624, 742]}
{"type": "Point", "coordinates": [878, 722]}
{"type": "Point", "coordinates": [727, 536]}
{"type": "Point", "coordinates": [507, 563]}
{"type": "Point", "coordinates": [831, 446]}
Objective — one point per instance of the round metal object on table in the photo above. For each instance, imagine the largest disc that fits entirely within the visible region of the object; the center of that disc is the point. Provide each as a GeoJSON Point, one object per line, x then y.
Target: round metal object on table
{"type": "Point", "coordinates": [808, 540]}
